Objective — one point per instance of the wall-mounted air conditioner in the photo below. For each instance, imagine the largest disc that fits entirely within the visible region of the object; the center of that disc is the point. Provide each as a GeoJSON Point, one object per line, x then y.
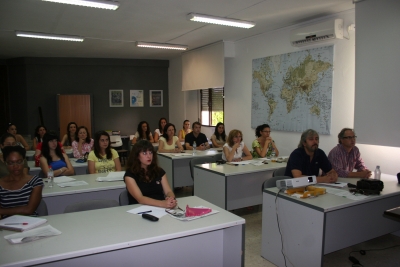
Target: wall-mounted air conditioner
{"type": "Point", "coordinates": [319, 32]}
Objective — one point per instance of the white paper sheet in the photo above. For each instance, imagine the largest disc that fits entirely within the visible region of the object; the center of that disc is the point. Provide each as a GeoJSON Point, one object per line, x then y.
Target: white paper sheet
{"type": "Point", "coordinates": [63, 179]}
{"type": "Point", "coordinates": [155, 211]}
{"type": "Point", "coordinates": [75, 183]}
{"type": "Point", "coordinates": [195, 217]}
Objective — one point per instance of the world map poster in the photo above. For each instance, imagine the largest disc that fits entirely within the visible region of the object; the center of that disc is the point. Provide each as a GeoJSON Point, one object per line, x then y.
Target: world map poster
{"type": "Point", "coordinates": [293, 92]}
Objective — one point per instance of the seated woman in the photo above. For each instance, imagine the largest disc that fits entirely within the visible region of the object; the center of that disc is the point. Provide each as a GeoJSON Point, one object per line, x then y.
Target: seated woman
{"type": "Point", "coordinates": [12, 129]}
{"type": "Point", "coordinates": [263, 145]}
{"type": "Point", "coordinates": [218, 139]}
{"type": "Point", "coordinates": [145, 181]}
{"type": "Point", "coordinates": [103, 158]}
{"type": "Point", "coordinates": [169, 143]}
{"type": "Point", "coordinates": [184, 131]}
{"type": "Point", "coordinates": [83, 143]}
{"type": "Point", "coordinates": [8, 139]}
{"type": "Point", "coordinates": [143, 133]}
{"type": "Point", "coordinates": [160, 131]}
{"type": "Point", "coordinates": [38, 136]}
{"type": "Point", "coordinates": [70, 136]}
{"type": "Point", "coordinates": [20, 193]}
{"type": "Point", "coordinates": [235, 148]}
{"type": "Point", "coordinates": [53, 157]}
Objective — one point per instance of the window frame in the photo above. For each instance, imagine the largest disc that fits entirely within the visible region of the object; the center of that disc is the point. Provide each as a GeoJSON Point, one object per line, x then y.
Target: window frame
{"type": "Point", "coordinates": [210, 105]}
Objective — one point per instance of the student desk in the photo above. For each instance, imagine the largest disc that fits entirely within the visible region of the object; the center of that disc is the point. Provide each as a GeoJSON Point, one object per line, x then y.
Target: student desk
{"type": "Point", "coordinates": [317, 226]}
{"type": "Point", "coordinates": [232, 187]}
{"type": "Point", "coordinates": [114, 237]}
{"type": "Point", "coordinates": [177, 167]}
{"type": "Point", "coordinates": [57, 198]}
{"type": "Point", "coordinates": [80, 168]}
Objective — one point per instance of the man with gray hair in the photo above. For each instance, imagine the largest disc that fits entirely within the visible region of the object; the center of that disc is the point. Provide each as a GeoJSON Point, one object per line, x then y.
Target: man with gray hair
{"type": "Point", "coordinates": [345, 157]}
{"type": "Point", "coordinates": [308, 159]}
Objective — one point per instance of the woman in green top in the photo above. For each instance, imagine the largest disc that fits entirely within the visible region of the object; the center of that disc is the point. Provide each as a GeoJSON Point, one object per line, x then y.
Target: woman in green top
{"type": "Point", "coordinates": [263, 145]}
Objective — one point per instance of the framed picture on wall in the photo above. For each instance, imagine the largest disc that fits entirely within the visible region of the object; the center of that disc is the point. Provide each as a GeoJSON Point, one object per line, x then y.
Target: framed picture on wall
{"type": "Point", "coordinates": [116, 98]}
{"type": "Point", "coordinates": [136, 98]}
{"type": "Point", "coordinates": [156, 98]}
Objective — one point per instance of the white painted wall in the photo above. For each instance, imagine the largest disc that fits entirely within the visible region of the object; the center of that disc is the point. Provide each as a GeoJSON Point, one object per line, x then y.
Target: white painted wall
{"type": "Point", "coordinates": [238, 80]}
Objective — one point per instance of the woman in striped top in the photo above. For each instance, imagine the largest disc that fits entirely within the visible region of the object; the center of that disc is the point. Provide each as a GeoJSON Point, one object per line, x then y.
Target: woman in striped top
{"type": "Point", "coordinates": [20, 193]}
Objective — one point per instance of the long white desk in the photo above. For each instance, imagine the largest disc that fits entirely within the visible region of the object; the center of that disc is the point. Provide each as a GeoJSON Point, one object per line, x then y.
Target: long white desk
{"type": "Point", "coordinates": [317, 226]}
{"type": "Point", "coordinates": [57, 198]}
{"type": "Point", "coordinates": [232, 187]}
{"type": "Point", "coordinates": [113, 237]}
{"type": "Point", "coordinates": [80, 168]}
{"type": "Point", "coordinates": [177, 167]}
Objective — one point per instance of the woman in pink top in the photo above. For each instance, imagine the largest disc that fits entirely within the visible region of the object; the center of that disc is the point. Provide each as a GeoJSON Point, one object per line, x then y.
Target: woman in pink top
{"type": "Point", "coordinates": [83, 144]}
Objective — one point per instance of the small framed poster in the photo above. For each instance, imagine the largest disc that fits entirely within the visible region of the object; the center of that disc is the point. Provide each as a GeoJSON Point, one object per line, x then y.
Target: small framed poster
{"type": "Point", "coordinates": [136, 98]}
{"type": "Point", "coordinates": [116, 98]}
{"type": "Point", "coordinates": [156, 98]}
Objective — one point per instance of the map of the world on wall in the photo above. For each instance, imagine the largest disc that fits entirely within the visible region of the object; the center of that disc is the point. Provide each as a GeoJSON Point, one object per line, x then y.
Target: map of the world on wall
{"type": "Point", "coordinates": [293, 92]}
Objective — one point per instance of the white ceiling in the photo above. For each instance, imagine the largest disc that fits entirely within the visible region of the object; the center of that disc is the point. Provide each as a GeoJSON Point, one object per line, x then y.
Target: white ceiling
{"type": "Point", "coordinates": [111, 34]}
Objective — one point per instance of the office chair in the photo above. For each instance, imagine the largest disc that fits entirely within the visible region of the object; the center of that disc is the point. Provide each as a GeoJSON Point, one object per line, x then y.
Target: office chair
{"type": "Point", "coordinates": [91, 205]}
{"type": "Point", "coordinates": [271, 182]}
{"type": "Point", "coordinates": [218, 156]}
{"type": "Point", "coordinates": [279, 172]}
{"type": "Point", "coordinates": [123, 198]}
{"type": "Point", "coordinates": [116, 143]}
{"type": "Point", "coordinates": [197, 161]}
{"type": "Point", "coordinates": [42, 208]}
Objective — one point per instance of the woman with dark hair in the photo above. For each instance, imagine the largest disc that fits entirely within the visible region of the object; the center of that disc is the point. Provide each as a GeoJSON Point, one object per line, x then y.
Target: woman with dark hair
{"type": "Point", "coordinates": [70, 136]}
{"type": "Point", "coordinates": [184, 131]}
{"type": "Point", "coordinates": [143, 133]}
{"type": "Point", "coordinates": [169, 143]}
{"type": "Point", "coordinates": [160, 131]}
{"type": "Point", "coordinates": [234, 147]}
{"type": "Point", "coordinates": [103, 158]}
{"type": "Point", "coordinates": [38, 136]}
{"type": "Point", "coordinates": [263, 145]}
{"type": "Point", "coordinates": [12, 129]}
{"type": "Point", "coordinates": [83, 143]}
{"type": "Point", "coordinates": [20, 193]}
{"type": "Point", "coordinates": [53, 157]}
{"type": "Point", "coordinates": [8, 139]}
{"type": "Point", "coordinates": [145, 181]}
{"type": "Point", "coordinates": [218, 139]}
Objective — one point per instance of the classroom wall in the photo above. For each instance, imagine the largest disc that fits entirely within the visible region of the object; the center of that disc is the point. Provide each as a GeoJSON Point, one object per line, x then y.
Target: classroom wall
{"type": "Point", "coordinates": [238, 80]}
{"type": "Point", "coordinates": [35, 82]}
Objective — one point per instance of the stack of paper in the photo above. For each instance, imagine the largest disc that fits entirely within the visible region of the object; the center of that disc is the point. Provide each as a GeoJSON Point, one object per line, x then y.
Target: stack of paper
{"type": "Point", "coordinates": [63, 179]}
{"type": "Point", "coordinates": [32, 235]}
{"type": "Point", "coordinates": [21, 223]}
{"type": "Point", "coordinates": [111, 177]}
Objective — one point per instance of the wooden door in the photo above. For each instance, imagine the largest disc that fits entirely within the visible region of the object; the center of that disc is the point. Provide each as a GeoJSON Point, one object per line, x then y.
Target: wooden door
{"type": "Point", "coordinates": [76, 108]}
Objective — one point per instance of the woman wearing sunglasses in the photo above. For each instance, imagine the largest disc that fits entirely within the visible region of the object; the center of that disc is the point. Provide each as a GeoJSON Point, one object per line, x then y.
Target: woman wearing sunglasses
{"type": "Point", "coordinates": [145, 181]}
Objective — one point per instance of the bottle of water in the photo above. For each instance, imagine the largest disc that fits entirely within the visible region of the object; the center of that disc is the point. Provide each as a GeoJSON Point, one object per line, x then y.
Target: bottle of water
{"type": "Point", "coordinates": [194, 147]}
{"type": "Point", "coordinates": [50, 177]}
{"type": "Point", "coordinates": [273, 153]}
{"type": "Point", "coordinates": [377, 173]}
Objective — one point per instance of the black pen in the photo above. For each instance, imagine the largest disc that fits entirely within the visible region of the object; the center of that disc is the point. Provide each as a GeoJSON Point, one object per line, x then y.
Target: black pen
{"type": "Point", "coordinates": [144, 212]}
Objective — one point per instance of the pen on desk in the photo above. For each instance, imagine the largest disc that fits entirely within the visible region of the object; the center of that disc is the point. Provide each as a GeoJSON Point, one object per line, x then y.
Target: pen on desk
{"type": "Point", "coordinates": [144, 212]}
{"type": "Point", "coordinates": [16, 223]}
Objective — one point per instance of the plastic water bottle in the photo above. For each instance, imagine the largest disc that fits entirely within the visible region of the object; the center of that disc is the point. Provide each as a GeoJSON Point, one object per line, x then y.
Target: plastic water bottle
{"type": "Point", "coordinates": [194, 147]}
{"type": "Point", "coordinates": [50, 177]}
{"type": "Point", "coordinates": [377, 173]}
{"type": "Point", "coordinates": [273, 153]}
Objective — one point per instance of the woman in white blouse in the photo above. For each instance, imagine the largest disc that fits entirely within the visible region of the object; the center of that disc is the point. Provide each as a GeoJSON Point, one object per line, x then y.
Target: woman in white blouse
{"type": "Point", "coordinates": [169, 143]}
{"type": "Point", "coordinates": [235, 149]}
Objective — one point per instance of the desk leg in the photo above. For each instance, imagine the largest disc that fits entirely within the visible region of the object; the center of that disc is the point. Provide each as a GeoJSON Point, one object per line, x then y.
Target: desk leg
{"type": "Point", "coordinates": [302, 230]}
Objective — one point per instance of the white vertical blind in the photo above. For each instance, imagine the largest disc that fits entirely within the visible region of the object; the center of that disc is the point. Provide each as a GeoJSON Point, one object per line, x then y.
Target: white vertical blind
{"type": "Point", "coordinates": [203, 68]}
{"type": "Point", "coordinates": [377, 89]}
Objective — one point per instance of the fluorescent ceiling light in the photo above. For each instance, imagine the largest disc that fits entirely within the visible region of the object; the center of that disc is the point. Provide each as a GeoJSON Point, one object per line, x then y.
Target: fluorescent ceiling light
{"type": "Point", "coordinates": [89, 3]}
{"type": "Point", "coordinates": [162, 46]}
{"type": "Point", "coordinates": [220, 21]}
{"type": "Point", "coordinates": [59, 37]}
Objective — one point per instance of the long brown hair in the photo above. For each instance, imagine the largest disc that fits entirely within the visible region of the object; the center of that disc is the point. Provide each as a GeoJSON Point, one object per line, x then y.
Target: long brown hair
{"type": "Point", "coordinates": [134, 164]}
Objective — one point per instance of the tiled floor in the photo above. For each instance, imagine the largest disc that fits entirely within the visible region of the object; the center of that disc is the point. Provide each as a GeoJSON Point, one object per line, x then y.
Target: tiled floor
{"type": "Point", "coordinates": [380, 258]}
